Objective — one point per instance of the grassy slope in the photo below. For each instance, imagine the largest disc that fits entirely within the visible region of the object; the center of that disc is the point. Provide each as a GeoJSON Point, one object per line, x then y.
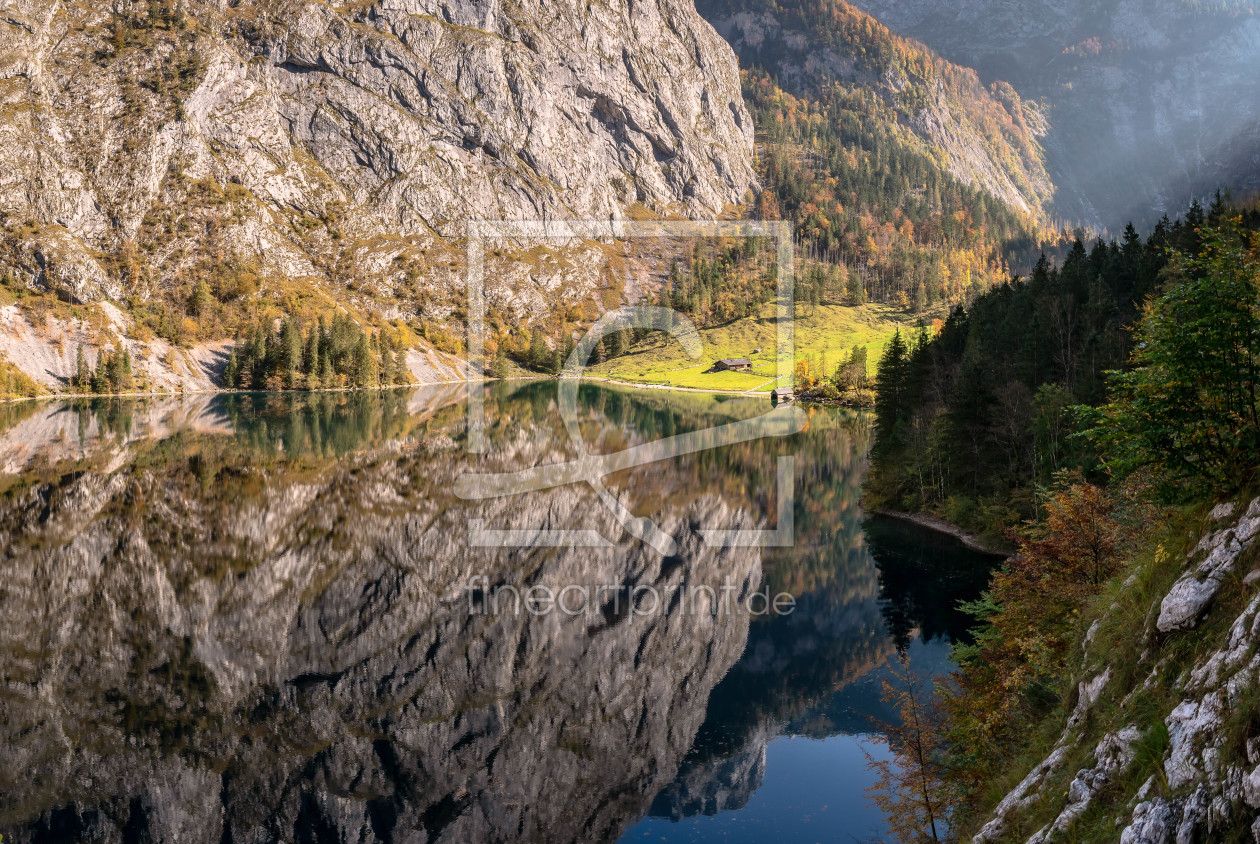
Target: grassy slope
{"type": "Point", "coordinates": [1149, 672]}
{"type": "Point", "coordinates": [828, 330]}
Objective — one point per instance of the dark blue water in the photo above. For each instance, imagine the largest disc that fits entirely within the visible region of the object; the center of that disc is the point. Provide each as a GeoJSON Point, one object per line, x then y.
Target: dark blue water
{"type": "Point", "coordinates": [817, 734]}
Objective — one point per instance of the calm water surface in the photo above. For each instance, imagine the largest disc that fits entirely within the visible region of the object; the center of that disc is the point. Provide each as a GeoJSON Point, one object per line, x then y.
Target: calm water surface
{"type": "Point", "coordinates": [259, 618]}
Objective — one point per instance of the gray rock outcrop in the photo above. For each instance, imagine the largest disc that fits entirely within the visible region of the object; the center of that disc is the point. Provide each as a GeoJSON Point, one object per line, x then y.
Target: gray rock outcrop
{"type": "Point", "coordinates": [1194, 591]}
{"type": "Point", "coordinates": [1205, 783]}
{"type": "Point", "coordinates": [317, 138]}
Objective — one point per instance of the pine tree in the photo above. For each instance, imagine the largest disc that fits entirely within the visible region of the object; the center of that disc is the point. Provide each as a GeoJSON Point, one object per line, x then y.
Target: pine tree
{"type": "Point", "coordinates": [539, 356]}
{"type": "Point", "coordinates": [364, 371]}
{"type": "Point", "coordinates": [327, 374]}
{"type": "Point", "coordinates": [387, 362]}
{"type": "Point", "coordinates": [232, 372]}
{"type": "Point", "coordinates": [291, 351]}
{"type": "Point", "coordinates": [401, 373]}
{"type": "Point", "coordinates": [891, 403]}
{"type": "Point", "coordinates": [310, 357]}
{"type": "Point", "coordinates": [82, 375]}
{"type": "Point", "coordinates": [201, 300]}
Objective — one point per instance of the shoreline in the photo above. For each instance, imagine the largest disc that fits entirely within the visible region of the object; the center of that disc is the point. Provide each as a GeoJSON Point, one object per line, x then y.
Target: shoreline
{"type": "Point", "coordinates": [220, 391]}
{"type": "Point", "coordinates": [939, 525]}
{"type": "Point", "coordinates": [636, 385]}
{"type": "Point", "coordinates": [163, 394]}
{"type": "Point", "coordinates": [640, 385]}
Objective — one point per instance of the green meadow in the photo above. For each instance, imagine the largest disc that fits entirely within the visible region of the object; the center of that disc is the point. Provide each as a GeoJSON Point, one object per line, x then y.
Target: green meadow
{"type": "Point", "coordinates": [824, 335]}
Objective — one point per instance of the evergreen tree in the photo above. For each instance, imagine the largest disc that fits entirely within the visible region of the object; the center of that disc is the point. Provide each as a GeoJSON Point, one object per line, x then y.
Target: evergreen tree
{"type": "Point", "coordinates": [82, 375]}
{"type": "Point", "coordinates": [310, 355]}
{"type": "Point", "coordinates": [539, 356]}
{"type": "Point", "coordinates": [201, 300]}
{"type": "Point", "coordinates": [386, 367]}
{"type": "Point", "coordinates": [291, 351]}
{"type": "Point", "coordinates": [327, 374]}
{"type": "Point", "coordinates": [364, 367]}
{"type": "Point", "coordinates": [891, 404]}
{"type": "Point", "coordinates": [1190, 406]}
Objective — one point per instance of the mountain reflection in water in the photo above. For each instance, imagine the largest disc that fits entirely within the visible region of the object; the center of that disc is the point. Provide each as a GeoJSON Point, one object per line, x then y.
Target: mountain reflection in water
{"type": "Point", "coordinates": [248, 618]}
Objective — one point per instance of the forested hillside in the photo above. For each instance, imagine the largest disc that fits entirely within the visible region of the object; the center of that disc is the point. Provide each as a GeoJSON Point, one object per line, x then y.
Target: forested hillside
{"type": "Point", "coordinates": [909, 182]}
{"type": "Point", "coordinates": [1110, 405]}
{"type": "Point", "coordinates": [974, 420]}
{"type": "Point", "coordinates": [1148, 101]}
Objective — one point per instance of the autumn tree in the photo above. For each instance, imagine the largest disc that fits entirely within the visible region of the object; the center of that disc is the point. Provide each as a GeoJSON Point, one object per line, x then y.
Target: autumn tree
{"type": "Point", "coordinates": [1015, 668]}
{"type": "Point", "coordinates": [911, 786]}
{"type": "Point", "coordinates": [851, 374]}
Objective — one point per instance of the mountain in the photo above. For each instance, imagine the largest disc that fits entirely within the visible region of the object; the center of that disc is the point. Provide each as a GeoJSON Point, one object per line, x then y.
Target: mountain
{"type": "Point", "coordinates": [147, 146]}
{"type": "Point", "coordinates": [984, 136]}
{"type": "Point", "coordinates": [909, 182]}
{"type": "Point", "coordinates": [1148, 102]}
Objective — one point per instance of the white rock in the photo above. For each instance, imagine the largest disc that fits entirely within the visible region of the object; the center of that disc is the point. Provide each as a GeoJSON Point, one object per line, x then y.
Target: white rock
{"type": "Point", "coordinates": [1154, 822]}
{"type": "Point", "coordinates": [1086, 695]}
{"type": "Point", "coordinates": [403, 120]}
{"type": "Point", "coordinates": [1251, 788]}
{"type": "Point", "coordinates": [1222, 511]}
{"type": "Point", "coordinates": [1191, 727]}
{"type": "Point", "coordinates": [1023, 795]}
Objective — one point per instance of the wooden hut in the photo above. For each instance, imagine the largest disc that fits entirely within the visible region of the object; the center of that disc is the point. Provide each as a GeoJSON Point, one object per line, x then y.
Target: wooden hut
{"type": "Point", "coordinates": [732, 365]}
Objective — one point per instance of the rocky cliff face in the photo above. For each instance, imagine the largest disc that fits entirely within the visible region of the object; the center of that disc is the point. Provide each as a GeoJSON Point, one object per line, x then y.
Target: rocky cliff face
{"type": "Point", "coordinates": [263, 650]}
{"type": "Point", "coordinates": [1150, 103]}
{"type": "Point", "coordinates": [138, 141]}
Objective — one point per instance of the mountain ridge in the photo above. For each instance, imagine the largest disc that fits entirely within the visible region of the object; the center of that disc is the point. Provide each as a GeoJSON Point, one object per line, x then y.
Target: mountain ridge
{"type": "Point", "coordinates": [983, 135]}
{"type": "Point", "coordinates": [1143, 95]}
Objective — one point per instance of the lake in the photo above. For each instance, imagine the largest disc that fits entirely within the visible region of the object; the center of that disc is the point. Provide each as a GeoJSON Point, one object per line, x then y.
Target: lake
{"type": "Point", "coordinates": [313, 617]}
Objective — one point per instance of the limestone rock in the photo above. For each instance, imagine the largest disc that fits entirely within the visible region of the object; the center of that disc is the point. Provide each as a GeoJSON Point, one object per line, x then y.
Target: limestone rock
{"type": "Point", "coordinates": [1112, 756]}
{"type": "Point", "coordinates": [1251, 788]}
{"type": "Point", "coordinates": [1222, 511]}
{"type": "Point", "coordinates": [1154, 822]}
{"type": "Point", "coordinates": [1193, 592]}
{"type": "Point", "coordinates": [1027, 793]}
{"type": "Point", "coordinates": [323, 125]}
